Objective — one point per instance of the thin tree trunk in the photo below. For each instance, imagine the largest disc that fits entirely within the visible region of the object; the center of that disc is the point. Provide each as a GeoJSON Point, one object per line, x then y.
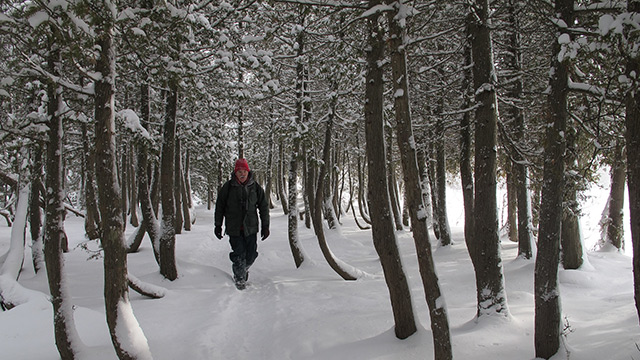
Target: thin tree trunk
{"type": "Point", "coordinates": [320, 201]}
{"type": "Point", "coordinates": [632, 137]}
{"type": "Point", "coordinates": [294, 241]}
{"type": "Point", "coordinates": [283, 197]}
{"type": "Point", "coordinates": [519, 165]}
{"type": "Point", "coordinates": [571, 236]}
{"type": "Point", "coordinates": [512, 203]}
{"type": "Point", "coordinates": [614, 231]}
{"type": "Point", "coordinates": [441, 184]}
{"type": "Point", "coordinates": [489, 277]}
{"type": "Point", "coordinates": [466, 172]}
{"type": "Point", "coordinates": [391, 175]}
{"type": "Point", "coordinates": [35, 212]}
{"type": "Point", "coordinates": [384, 237]}
{"type": "Point", "coordinates": [185, 190]}
{"type": "Point", "coordinates": [133, 204]}
{"type": "Point", "coordinates": [92, 218]}
{"type": "Point", "coordinates": [269, 186]}
{"type": "Point", "coordinates": [413, 190]}
{"type": "Point", "coordinates": [177, 186]}
{"type": "Point", "coordinates": [362, 202]}
{"type": "Point", "coordinates": [64, 326]}
{"type": "Point", "coordinates": [122, 324]}
{"type": "Point", "coordinates": [431, 172]}
{"type": "Point", "coordinates": [150, 222]}
{"type": "Point", "coordinates": [167, 173]}
{"type": "Point", "coordinates": [548, 320]}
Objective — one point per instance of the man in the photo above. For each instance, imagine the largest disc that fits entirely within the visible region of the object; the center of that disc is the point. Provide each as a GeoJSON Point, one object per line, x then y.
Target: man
{"type": "Point", "coordinates": [237, 202]}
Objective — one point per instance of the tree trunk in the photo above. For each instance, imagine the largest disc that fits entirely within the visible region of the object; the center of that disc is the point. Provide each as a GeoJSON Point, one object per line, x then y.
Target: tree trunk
{"type": "Point", "coordinates": [185, 190]}
{"type": "Point", "coordinates": [167, 173]}
{"type": "Point", "coordinates": [632, 137]}
{"type": "Point", "coordinates": [150, 222]}
{"type": "Point", "coordinates": [308, 171]}
{"type": "Point", "coordinates": [177, 187]}
{"type": "Point", "coordinates": [269, 186]}
{"type": "Point", "coordinates": [512, 203]}
{"type": "Point", "coordinates": [92, 218]}
{"type": "Point", "coordinates": [283, 197]}
{"type": "Point", "coordinates": [133, 204]}
{"type": "Point", "coordinates": [391, 175]}
{"type": "Point", "coordinates": [489, 278]}
{"type": "Point", "coordinates": [294, 241]}
{"type": "Point", "coordinates": [413, 189]}
{"type": "Point", "coordinates": [320, 201]}
{"type": "Point", "coordinates": [424, 184]}
{"type": "Point", "coordinates": [122, 324]}
{"type": "Point", "coordinates": [441, 184]}
{"type": "Point", "coordinates": [570, 235]}
{"type": "Point", "coordinates": [466, 172]}
{"type": "Point", "coordinates": [519, 165]}
{"type": "Point", "coordinates": [548, 322]}
{"type": "Point", "coordinates": [64, 326]}
{"type": "Point", "coordinates": [35, 213]}
{"type": "Point", "coordinates": [384, 237]}
{"type": "Point", "coordinates": [362, 202]}
{"type": "Point", "coordinates": [613, 229]}
{"type": "Point", "coordinates": [431, 172]}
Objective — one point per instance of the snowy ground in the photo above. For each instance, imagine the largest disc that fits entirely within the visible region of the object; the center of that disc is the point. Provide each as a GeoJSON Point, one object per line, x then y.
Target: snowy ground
{"type": "Point", "coordinates": [310, 313]}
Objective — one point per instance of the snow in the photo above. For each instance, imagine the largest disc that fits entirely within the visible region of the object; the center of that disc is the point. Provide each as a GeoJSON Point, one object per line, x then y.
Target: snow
{"type": "Point", "coordinates": [311, 313]}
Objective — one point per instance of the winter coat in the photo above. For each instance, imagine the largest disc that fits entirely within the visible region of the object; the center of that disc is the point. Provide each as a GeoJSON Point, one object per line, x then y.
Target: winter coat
{"type": "Point", "coordinates": [237, 204]}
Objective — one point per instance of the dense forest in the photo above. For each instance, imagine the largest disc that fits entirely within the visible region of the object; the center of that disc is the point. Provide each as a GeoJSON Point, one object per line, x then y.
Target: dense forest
{"type": "Point", "coordinates": [131, 112]}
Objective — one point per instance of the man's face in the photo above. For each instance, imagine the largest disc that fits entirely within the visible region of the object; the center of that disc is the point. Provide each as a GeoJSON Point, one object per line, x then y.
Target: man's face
{"type": "Point", "coordinates": [242, 175]}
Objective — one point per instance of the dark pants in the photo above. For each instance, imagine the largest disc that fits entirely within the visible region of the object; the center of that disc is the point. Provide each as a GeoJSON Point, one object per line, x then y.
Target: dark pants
{"type": "Point", "coordinates": [243, 255]}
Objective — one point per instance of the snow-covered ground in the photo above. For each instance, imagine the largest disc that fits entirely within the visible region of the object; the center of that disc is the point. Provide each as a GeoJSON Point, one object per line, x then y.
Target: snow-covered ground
{"type": "Point", "coordinates": [310, 313]}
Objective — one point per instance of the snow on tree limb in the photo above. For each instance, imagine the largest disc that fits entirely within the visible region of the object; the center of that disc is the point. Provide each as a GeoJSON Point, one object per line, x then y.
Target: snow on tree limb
{"type": "Point", "coordinates": [146, 289]}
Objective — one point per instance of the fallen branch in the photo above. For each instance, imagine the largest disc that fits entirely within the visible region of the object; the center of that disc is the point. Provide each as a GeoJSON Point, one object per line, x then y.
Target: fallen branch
{"type": "Point", "coordinates": [145, 289]}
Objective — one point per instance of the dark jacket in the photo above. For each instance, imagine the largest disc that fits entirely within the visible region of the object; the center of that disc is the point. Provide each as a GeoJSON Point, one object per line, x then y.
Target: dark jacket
{"type": "Point", "coordinates": [237, 204]}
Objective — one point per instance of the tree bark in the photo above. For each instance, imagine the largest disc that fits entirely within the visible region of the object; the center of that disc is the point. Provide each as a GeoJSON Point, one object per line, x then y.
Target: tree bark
{"type": "Point", "coordinates": [64, 327]}
{"type": "Point", "coordinates": [614, 231]}
{"type": "Point", "coordinates": [441, 184]}
{"type": "Point", "coordinates": [320, 201]}
{"type": "Point", "coordinates": [384, 237]}
{"type": "Point", "coordinates": [489, 278]}
{"type": "Point", "coordinates": [519, 163]}
{"type": "Point", "coordinates": [413, 189]}
{"type": "Point", "coordinates": [116, 292]}
{"type": "Point", "coordinates": [466, 172]}
{"type": "Point", "coordinates": [167, 173]}
{"type": "Point", "coordinates": [185, 191]}
{"type": "Point", "coordinates": [294, 241]}
{"type": "Point", "coordinates": [570, 234]}
{"type": "Point", "coordinates": [280, 183]}
{"type": "Point", "coordinates": [177, 186]}
{"type": "Point", "coordinates": [548, 320]}
{"type": "Point", "coordinates": [92, 219]}
{"type": "Point", "coordinates": [632, 137]}
{"type": "Point", "coordinates": [391, 175]}
{"type": "Point", "coordinates": [35, 212]}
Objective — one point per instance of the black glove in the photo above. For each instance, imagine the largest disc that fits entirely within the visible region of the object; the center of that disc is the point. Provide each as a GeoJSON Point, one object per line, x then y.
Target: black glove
{"type": "Point", "coordinates": [264, 233]}
{"type": "Point", "coordinates": [218, 232]}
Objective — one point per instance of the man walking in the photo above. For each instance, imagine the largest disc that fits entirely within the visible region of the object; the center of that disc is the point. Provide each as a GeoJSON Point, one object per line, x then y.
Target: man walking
{"type": "Point", "coordinates": [238, 201]}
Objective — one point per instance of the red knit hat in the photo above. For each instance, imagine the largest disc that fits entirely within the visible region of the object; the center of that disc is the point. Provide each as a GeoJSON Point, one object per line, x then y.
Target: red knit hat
{"type": "Point", "coordinates": [241, 164]}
